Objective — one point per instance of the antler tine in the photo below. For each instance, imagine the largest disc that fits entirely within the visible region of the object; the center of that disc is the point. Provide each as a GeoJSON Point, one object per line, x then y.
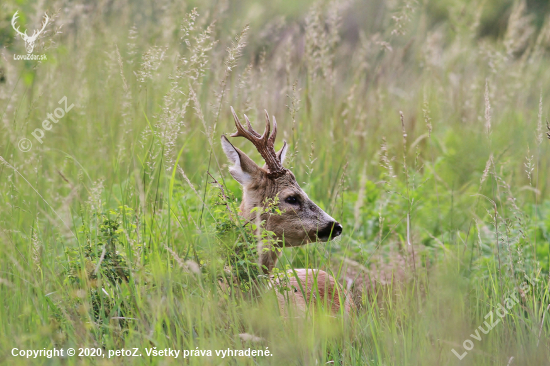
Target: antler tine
{"type": "Point", "coordinates": [37, 32]}
{"type": "Point", "coordinates": [240, 129]}
{"type": "Point", "coordinates": [274, 134]}
{"type": "Point", "coordinates": [46, 19]}
{"type": "Point", "coordinates": [263, 143]}
{"type": "Point", "coordinates": [249, 126]}
{"type": "Point", "coordinates": [16, 28]}
{"type": "Point", "coordinates": [267, 131]}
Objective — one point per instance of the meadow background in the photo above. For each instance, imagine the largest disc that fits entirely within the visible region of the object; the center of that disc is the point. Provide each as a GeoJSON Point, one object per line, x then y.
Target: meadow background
{"type": "Point", "coordinates": [419, 125]}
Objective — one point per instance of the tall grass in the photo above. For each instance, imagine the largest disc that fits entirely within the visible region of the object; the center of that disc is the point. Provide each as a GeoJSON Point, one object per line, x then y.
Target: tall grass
{"type": "Point", "coordinates": [418, 129]}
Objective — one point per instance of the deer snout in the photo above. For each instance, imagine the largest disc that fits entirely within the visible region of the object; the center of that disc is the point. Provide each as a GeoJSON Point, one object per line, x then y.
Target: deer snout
{"type": "Point", "coordinates": [329, 232]}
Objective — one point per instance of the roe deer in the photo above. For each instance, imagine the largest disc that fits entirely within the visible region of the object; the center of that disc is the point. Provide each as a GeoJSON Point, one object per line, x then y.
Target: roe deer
{"type": "Point", "coordinates": [300, 222]}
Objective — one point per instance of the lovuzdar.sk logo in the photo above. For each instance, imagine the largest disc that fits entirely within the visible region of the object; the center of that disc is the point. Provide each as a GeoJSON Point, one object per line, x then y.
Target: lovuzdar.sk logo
{"type": "Point", "coordinates": [29, 40]}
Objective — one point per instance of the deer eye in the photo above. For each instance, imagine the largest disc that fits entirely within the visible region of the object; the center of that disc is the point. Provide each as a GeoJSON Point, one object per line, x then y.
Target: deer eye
{"type": "Point", "coordinates": [293, 200]}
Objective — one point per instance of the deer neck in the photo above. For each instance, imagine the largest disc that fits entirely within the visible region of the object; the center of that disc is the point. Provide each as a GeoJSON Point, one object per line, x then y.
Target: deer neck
{"type": "Point", "coordinates": [254, 197]}
{"type": "Point", "coordinates": [268, 259]}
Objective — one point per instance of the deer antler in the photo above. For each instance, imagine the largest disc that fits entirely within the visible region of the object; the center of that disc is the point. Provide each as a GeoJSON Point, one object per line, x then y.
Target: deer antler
{"type": "Point", "coordinates": [16, 28]}
{"type": "Point", "coordinates": [264, 143]}
{"type": "Point", "coordinates": [36, 33]}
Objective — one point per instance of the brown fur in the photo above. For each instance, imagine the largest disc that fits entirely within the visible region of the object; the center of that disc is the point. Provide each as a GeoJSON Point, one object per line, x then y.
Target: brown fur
{"type": "Point", "coordinates": [296, 225]}
{"type": "Point", "coordinates": [311, 287]}
{"type": "Point", "coordinates": [301, 221]}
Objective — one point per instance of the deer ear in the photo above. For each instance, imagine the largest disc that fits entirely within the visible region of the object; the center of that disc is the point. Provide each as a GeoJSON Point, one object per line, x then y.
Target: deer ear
{"type": "Point", "coordinates": [243, 169]}
{"type": "Point", "coordinates": [281, 154]}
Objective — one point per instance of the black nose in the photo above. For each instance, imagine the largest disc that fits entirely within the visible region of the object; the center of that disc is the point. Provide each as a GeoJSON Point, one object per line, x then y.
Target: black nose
{"type": "Point", "coordinates": [331, 231]}
{"type": "Point", "coordinates": [337, 230]}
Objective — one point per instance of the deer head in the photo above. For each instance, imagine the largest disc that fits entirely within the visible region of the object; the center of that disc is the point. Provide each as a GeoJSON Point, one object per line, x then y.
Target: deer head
{"type": "Point", "coordinates": [29, 41]}
{"type": "Point", "coordinates": [301, 221]}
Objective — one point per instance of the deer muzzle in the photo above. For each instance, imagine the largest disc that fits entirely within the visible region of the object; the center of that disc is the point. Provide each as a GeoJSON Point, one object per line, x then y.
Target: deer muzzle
{"type": "Point", "coordinates": [329, 232]}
